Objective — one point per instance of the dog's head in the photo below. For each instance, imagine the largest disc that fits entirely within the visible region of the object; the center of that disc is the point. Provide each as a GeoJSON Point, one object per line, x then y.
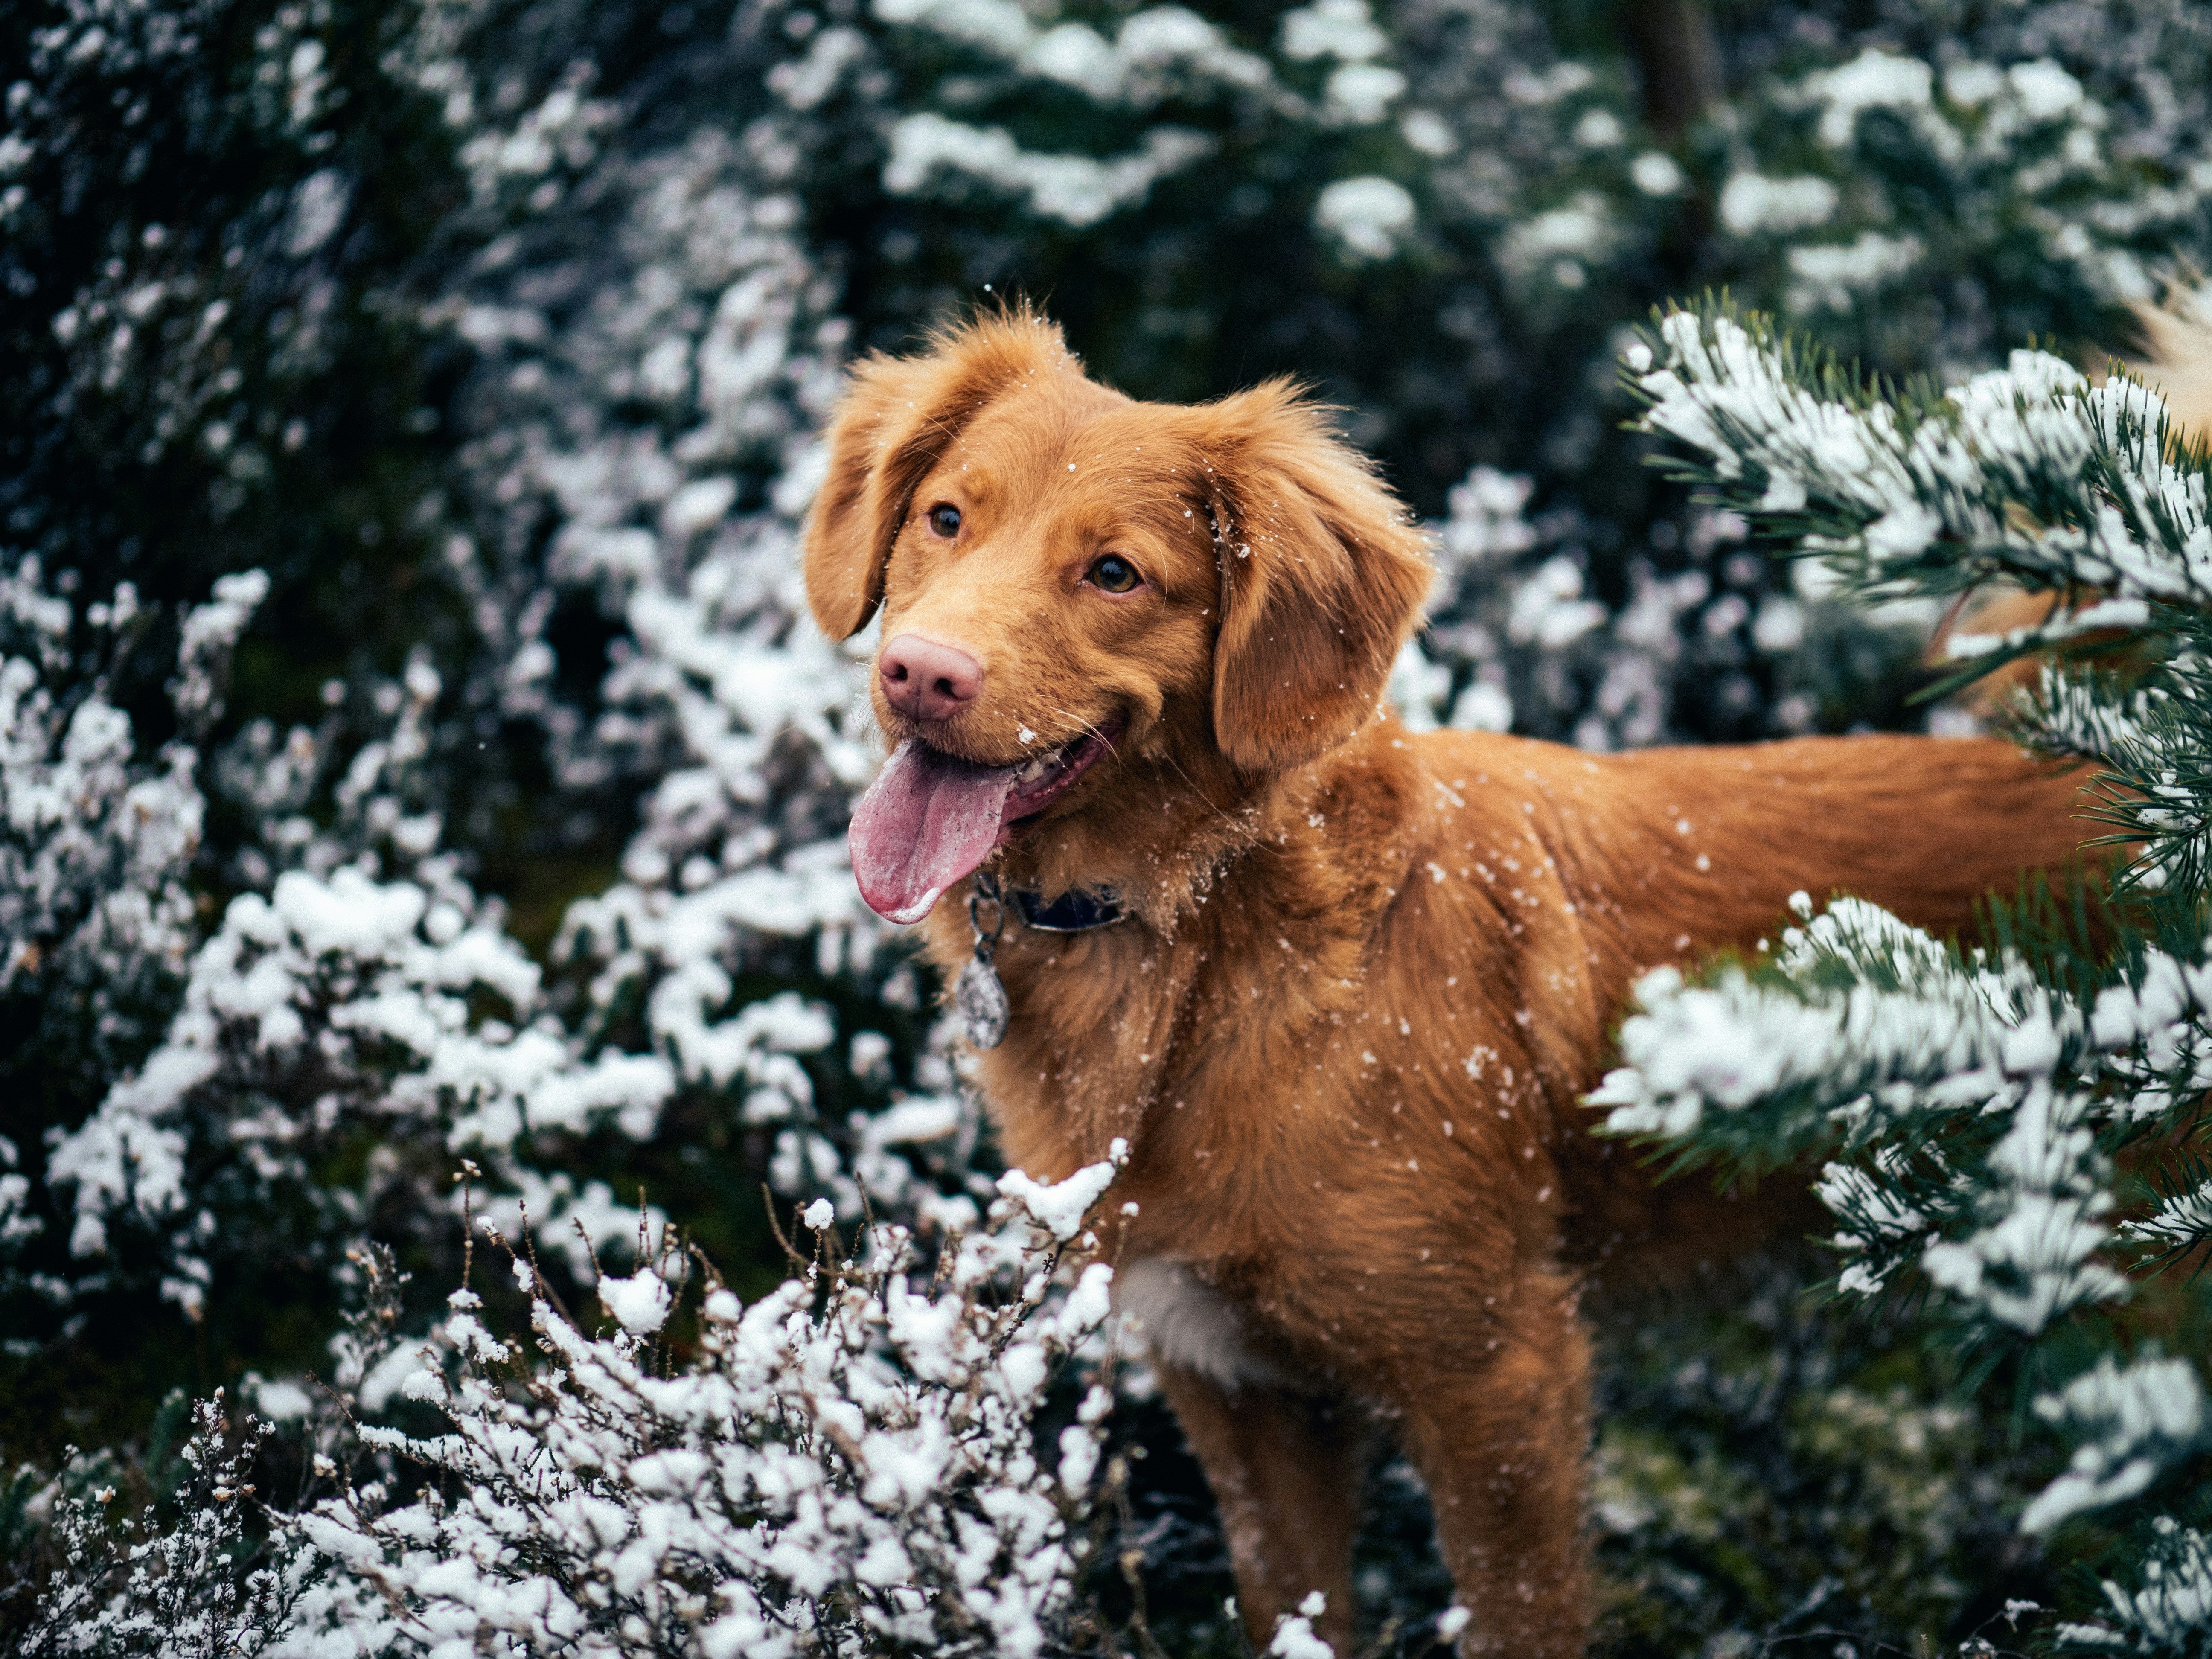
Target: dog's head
{"type": "Point", "coordinates": [1073, 583]}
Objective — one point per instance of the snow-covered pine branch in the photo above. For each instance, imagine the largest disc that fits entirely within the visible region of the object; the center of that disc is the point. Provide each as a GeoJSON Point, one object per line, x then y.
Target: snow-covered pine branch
{"type": "Point", "coordinates": [1984, 1109]}
{"type": "Point", "coordinates": [2029, 471]}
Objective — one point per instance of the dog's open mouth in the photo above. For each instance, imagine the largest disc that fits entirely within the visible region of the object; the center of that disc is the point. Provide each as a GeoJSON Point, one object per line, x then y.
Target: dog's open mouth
{"type": "Point", "coordinates": [931, 818]}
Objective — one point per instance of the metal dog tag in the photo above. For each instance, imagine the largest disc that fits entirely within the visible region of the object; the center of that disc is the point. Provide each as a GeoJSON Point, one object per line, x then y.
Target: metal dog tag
{"type": "Point", "coordinates": [981, 1000]}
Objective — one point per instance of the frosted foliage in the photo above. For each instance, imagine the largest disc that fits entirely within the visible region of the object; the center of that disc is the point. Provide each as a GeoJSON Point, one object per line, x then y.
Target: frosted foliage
{"type": "Point", "coordinates": [2129, 1425]}
{"type": "Point", "coordinates": [1156, 55]}
{"type": "Point", "coordinates": [2180, 1219]}
{"type": "Point", "coordinates": [1076, 190]}
{"type": "Point", "coordinates": [1979, 1101]}
{"type": "Point", "coordinates": [1917, 1029]}
{"type": "Point", "coordinates": [1753, 203]}
{"type": "Point", "coordinates": [1893, 497]}
{"type": "Point", "coordinates": [210, 634]}
{"type": "Point", "coordinates": [97, 843]}
{"type": "Point", "coordinates": [848, 1464]}
{"type": "Point", "coordinates": [2019, 146]}
{"type": "Point", "coordinates": [1368, 216]}
{"type": "Point", "coordinates": [2151, 733]}
{"type": "Point", "coordinates": [1973, 1157]}
{"type": "Point", "coordinates": [1294, 1636]}
{"type": "Point", "coordinates": [98, 838]}
{"type": "Point", "coordinates": [366, 1003]}
{"type": "Point", "coordinates": [2031, 1259]}
{"type": "Point", "coordinates": [701, 305]}
{"type": "Point", "coordinates": [173, 1593]}
{"type": "Point", "coordinates": [1864, 1022]}
{"type": "Point", "coordinates": [665, 277]}
{"type": "Point", "coordinates": [706, 308]}
{"type": "Point", "coordinates": [1518, 641]}
{"type": "Point", "coordinates": [851, 1462]}
{"type": "Point", "coordinates": [2168, 1611]}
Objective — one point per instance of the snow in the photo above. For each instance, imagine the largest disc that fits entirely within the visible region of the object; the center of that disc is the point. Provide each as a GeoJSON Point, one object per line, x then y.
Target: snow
{"type": "Point", "coordinates": [1556, 245]}
{"type": "Point", "coordinates": [1368, 216]}
{"type": "Point", "coordinates": [2034, 424]}
{"type": "Point", "coordinates": [1655, 173]}
{"type": "Point", "coordinates": [1363, 93]}
{"type": "Point", "coordinates": [1076, 190]}
{"type": "Point", "coordinates": [1874, 80]}
{"type": "Point", "coordinates": [318, 207]}
{"type": "Point", "coordinates": [1294, 1636]}
{"type": "Point", "coordinates": [359, 955]}
{"type": "Point", "coordinates": [1752, 204]}
{"type": "Point", "coordinates": [1832, 277]}
{"type": "Point", "coordinates": [1342, 29]}
{"type": "Point", "coordinates": [1905, 1030]}
{"type": "Point", "coordinates": [640, 1303]}
{"type": "Point", "coordinates": [2172, 1607]}
{"type": "Point", "coordinates": [2032, 1260]}
{"type": "Point", "coordinates": [1060, 1209]}
{"type": "Point", "coordinates": [874, 1445]}
{"type": "Point", "coordinates": [2129, 1426]}
{"type": "Point", "coordinates": [281, 1401]}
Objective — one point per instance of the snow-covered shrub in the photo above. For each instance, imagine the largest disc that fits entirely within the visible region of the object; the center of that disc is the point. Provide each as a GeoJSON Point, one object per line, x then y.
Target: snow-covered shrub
{"type": "Point", "coordinates": [99, 836]}
{"type": "Point", "coordinates": [1978, 1106]}
{"type": "Point", "coordinates": [96, 851]}
{"type": "Point", "coordinates": [184, 1584]}
{"type": "Point", "coordinates": [851, 1463]}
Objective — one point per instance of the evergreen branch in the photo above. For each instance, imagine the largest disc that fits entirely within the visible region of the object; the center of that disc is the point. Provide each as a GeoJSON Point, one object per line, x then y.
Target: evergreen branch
{"type": "Point", "coordinates": [2028, 472]}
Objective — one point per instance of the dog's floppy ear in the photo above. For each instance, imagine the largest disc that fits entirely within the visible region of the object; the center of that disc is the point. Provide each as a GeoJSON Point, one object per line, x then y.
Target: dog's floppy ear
{"type": "Point", "coordinates": [898, 417]}
{"type": "Point", "coordinates": [1323, 574]}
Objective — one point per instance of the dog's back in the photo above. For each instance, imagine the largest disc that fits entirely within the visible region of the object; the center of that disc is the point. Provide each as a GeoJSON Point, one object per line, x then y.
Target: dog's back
{"type": "Point", "coordinates": [1708, 843]}
{"type": "Point", "coordinates": [1664, 855]}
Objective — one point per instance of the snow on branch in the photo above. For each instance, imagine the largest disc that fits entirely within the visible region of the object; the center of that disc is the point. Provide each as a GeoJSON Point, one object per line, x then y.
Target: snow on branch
{"type": "Point", "coordinates": [849, 1463]}
{"type": "Point", "coordinates": [1862, 1031]}
{"type": "Point", "coordinates": [2170, 1612]}
{"type": "Point", "coordinates": [2028, 472]}
{"type": "Point", "coordinates": [1979, 1106]}
{"type": "Point", "coordinates": [1856, 1011]}
{"type": "Point", "coordinates": [2131, 1424]}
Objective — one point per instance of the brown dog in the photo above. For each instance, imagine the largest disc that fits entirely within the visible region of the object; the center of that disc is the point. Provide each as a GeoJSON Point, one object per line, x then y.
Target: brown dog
{"type": "Point", "coordinates": [1365, 978]}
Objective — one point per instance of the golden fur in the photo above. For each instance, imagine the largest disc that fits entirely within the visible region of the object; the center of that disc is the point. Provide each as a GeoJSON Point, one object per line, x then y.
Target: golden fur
{"type": "Point", "coordinates": [1368, 975]}
{"type": "Point", "coordinates": [2177, 355]}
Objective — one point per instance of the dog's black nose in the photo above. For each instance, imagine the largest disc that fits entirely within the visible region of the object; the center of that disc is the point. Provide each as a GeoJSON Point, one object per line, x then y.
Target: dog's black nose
{"type": "Point", "coordinates": [927, 681]}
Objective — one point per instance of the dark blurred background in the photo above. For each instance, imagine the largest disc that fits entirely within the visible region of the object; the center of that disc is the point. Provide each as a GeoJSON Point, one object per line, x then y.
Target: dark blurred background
{"type": "Point", "coordinates": [495, 334]}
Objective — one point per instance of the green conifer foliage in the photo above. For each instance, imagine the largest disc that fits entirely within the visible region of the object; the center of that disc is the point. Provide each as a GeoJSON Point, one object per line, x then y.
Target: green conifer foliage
{"type": "Point", "coordinates": [2013, 1131]}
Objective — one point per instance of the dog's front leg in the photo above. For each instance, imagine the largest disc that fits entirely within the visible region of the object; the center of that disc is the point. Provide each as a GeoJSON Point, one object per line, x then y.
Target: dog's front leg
{"type": "Point", "coordinates": [1499, 1428]}
{"type": "Point", "coordinates": [1286, 1470]}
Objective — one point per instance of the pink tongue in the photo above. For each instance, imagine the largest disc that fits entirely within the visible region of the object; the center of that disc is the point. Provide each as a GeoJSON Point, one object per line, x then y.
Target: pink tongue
{"type": "Point", "coordinates": [926, 821]}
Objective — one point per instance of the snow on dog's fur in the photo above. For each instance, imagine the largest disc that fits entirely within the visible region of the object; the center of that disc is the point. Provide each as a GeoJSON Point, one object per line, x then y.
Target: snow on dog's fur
{"type": "Point", "coordinates": [1366, 976]}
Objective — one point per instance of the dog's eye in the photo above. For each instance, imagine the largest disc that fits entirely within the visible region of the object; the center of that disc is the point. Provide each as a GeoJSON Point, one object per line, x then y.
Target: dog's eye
{"type": "Point", "coordinates": [1115, 574]}
{"type": "Point", "coordinates": [944, 520]}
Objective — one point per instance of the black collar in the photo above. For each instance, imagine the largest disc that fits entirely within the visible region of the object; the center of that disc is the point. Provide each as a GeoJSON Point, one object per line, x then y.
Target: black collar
{"type": "Point", "coordinates": [1073, 912]}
